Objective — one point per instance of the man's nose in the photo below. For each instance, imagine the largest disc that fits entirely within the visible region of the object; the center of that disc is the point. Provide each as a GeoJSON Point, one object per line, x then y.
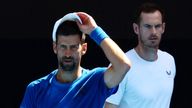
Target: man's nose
{"type": "Point", "coordinates": [154, 31]}
{"type": "Point", "coordinates": [68, 52]}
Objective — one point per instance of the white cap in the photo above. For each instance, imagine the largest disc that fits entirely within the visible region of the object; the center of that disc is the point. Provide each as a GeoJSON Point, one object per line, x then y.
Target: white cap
{"type": "Point", "coordinates": [69, 17]}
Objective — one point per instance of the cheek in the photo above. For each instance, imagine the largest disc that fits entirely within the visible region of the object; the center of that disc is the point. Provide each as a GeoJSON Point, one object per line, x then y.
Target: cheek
{"type": "Point", "coordinates": [160, 32]}
{"type": "Point", "coordinates": [60, 53]}
{"type": "Point", "coordinates": [77, 55]}
{"type": "Point", "coordinates": [143, 34]}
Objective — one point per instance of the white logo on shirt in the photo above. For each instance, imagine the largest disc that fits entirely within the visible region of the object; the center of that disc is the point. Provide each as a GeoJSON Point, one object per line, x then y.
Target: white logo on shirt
{"type": "Point", "coordinates": [168, 72]}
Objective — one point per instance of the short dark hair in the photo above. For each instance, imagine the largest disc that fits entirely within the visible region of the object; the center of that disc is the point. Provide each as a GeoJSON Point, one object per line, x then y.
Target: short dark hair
{"type": "Point", "coordinates": [148, 7]}
{"type": "Point", "coordinates": [69, 28]}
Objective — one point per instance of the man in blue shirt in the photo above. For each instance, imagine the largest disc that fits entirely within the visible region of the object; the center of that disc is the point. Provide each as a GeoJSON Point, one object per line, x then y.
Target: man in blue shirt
{"type": "Point", "coordinates": [72, 86]}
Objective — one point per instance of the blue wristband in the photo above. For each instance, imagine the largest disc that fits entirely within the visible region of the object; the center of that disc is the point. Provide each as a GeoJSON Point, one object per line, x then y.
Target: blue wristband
{"type": "Point", "coordinates": [98, 35]}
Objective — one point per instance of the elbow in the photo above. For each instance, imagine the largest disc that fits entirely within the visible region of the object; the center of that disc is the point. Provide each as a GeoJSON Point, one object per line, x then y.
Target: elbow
{"type": "Point", "coordinates": [126, 66]}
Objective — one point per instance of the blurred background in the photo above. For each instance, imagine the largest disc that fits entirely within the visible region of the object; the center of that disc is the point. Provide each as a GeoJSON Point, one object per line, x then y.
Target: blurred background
{"type": "Point", "coordinates": [26, 45]}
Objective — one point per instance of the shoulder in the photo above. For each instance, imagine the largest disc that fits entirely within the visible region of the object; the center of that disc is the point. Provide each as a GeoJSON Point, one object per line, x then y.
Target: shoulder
{"type": "Point", "coordinates": [167, 60]}
{"type": "Point", "coordinates": [98, 71]}
{"type": "Point", "coordinates": [132, 55]}
{"type": "Point", "coordinates": [165, 54]}
{"type": "Point", "coordinates": [129, 51]}
{"type": "Point", "coordinates": [41, 81]}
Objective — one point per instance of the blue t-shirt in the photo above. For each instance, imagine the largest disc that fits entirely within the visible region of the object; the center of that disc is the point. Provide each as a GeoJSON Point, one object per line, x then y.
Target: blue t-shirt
{"type": "Point", "coordinates": [88, 91]}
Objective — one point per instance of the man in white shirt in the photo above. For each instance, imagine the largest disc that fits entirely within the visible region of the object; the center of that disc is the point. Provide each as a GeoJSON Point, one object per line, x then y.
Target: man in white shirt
{"type": "Point", "coordinates": [150, 81]}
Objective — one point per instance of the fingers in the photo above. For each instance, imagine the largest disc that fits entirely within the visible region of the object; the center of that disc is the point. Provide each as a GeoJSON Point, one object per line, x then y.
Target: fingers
{"type": "Point", "coordinates": [88, 23]}
{"type": "Point", "coordinates": [84, 17]}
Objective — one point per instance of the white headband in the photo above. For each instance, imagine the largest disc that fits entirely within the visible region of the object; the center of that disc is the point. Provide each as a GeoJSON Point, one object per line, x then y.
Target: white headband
{"type": "Point", "coordinates": [69, 17]}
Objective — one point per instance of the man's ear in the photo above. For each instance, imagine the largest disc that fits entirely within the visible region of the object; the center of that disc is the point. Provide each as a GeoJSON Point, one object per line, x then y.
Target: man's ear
{"type": "Point", "coordinates": [84, 48]}
{"type": "Point", "coordinates": [163, 28]}
{"type": "Point", "coordinates": [55, 47]}
{"type": "Point", "coordinates": [136, 28]}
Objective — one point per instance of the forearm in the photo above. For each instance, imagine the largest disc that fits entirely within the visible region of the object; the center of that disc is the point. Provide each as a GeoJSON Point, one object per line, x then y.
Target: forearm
{"type": "Point", "coordinates": [120, 63]}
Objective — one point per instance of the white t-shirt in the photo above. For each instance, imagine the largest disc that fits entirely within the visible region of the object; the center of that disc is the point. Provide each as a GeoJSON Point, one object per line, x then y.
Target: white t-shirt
{"type": "Point", "coordinates": [147, 84]}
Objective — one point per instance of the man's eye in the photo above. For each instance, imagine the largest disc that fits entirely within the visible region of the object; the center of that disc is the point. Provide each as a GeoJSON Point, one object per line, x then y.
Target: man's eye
{"type": "Point", "coordinates": [74, 47]}
{"type": "Point", "coordinates": [158, 26]}
{"type": "Point", "coordinates": [147, 26]}
{"type": "Point", "coordinates": [63, 46]}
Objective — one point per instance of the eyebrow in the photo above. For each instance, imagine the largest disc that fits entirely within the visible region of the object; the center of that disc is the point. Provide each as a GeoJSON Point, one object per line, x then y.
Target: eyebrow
{"type": "Point", "coordinates": [149, 25]}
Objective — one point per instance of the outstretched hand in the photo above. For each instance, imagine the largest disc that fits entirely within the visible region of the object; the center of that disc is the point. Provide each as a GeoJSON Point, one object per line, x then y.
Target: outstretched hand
{"type": "Point", "coordinates": [88, 23]}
